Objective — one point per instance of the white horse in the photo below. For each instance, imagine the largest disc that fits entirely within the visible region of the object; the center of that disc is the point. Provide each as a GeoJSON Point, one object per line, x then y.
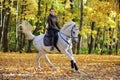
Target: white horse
{"type": "Point", "coordinates": [66, 35]}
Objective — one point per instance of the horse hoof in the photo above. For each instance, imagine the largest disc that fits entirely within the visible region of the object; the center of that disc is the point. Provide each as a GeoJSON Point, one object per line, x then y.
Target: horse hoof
{"type": "Point", "coordinates": [72, 70]}
{"type": "Point", "coordinates": [40, 68]}
{"type": "Point", "coordinates": [81, 72]}
{"type": "Point", "coordinates": [54, 68]}
{"type": "Point", "coordinates": [78, 71]}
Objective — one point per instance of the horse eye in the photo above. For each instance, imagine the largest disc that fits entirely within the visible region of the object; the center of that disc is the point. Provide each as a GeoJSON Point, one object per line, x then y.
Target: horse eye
{"type": "Point", "coordinates": [73, 32]}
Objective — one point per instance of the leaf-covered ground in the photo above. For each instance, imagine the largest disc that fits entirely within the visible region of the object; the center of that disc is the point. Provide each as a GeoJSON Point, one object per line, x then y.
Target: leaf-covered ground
{"type": "Point", "coordinates": [15, 66]}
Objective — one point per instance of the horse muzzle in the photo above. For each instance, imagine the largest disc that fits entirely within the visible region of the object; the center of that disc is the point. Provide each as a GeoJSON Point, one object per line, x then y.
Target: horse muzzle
{"type": "Point", "coordinates": [75, 39]}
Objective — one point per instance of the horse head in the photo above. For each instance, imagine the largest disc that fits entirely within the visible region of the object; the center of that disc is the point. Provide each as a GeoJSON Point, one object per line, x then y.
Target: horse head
{"type": "Point", "coordinates": [71, 30]}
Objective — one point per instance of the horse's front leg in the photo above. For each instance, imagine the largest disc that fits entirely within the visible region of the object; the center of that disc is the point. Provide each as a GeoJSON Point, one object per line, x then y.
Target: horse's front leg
{"type": "Point", "coordinates": [73, 62]}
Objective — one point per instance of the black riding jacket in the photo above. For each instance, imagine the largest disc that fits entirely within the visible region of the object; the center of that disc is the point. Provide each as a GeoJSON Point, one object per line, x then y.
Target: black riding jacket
{"type": "Point", "coordinates": [52, 22]}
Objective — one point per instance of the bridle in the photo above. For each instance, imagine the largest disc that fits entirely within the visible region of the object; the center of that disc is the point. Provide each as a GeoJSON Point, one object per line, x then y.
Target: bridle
{"type": "Point", "coordinates": [71, 36]}
{"type": "Point", "coordinates": [72, 33]}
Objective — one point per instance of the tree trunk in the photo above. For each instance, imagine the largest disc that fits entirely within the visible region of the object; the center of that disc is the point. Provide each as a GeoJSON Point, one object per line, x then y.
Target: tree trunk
{"type": "Point", "coordinates": [118, 41]}
{"type": "Point", "coordinates": [63, 19]}
{"type": "Point", "coordinates": [97, 38]}
{"type": "Point", "coordinates": [79, 44]}
{"type": "Point", "coordinates": [21, 36]}
{"type": "Point", "coordinates": [2, 20]}
{"type": "Point", "coordinates": [74, 48]}
{"type": "Point", "coordinates": [118, 36]}
{"type": "Point", "coordinates": [91, 39]}
{"type": "Point", "coordinates": [5, 32]}
{"type": "Point", "coordinates": [71, 7]}
{"type": "Point", "coordinates": [46, 8]}
{"type": "Point", "coordinates": [102, 44]}
{"type": "Point", "coordinates": [16, 29]}
{"type": "Point", "coordinates": [38, 17]}
{"type": "Point", "coordinates": [81, 25]}
{"type": "Point", "coordinates": [29, 46]}
{"type": "Point", "coordinates": [110, 38]}
{"type": "Point", "coordinates": [116, 47]}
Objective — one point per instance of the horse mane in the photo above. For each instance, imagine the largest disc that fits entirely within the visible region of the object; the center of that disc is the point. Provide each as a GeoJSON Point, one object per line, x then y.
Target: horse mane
{"type": "Point", "coordinates": [67, 24]}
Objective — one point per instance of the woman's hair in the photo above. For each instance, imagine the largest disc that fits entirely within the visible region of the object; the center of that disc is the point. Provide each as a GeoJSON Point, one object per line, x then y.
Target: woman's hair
{"type": "Point", "coordinates": [52, 9]}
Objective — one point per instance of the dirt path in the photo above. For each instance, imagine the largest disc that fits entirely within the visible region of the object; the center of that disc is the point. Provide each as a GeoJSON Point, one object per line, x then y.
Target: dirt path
{"type": "Point", "coordinates": [14, 66]}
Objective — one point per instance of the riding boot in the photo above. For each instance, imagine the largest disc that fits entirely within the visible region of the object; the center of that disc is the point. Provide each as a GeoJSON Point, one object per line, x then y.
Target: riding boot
{"type": "Point", "coordinates": [52, 47]}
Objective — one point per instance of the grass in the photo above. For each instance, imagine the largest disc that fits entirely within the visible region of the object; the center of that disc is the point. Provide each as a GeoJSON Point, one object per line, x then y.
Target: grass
{"type": "Point", "coordinates": [15, 66]}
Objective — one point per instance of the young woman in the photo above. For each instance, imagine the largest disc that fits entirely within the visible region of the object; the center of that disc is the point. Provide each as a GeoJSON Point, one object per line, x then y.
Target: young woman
{"type": "Point", "coordinates": [53, 26]}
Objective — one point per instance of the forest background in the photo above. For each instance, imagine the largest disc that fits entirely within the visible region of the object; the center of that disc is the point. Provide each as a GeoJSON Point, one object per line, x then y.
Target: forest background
{"type": "Point", "coordinates": [98, 20]}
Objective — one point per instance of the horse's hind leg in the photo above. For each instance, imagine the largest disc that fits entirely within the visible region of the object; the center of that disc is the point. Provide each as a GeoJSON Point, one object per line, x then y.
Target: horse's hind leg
{"type": "Point", "coordinates": [48, 60]}
{"type": "Point", "coordinates": [38, 58]}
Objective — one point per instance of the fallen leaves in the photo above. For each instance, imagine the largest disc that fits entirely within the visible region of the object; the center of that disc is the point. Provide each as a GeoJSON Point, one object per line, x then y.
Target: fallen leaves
{"type": "Point", "coordinates": [16, 66]}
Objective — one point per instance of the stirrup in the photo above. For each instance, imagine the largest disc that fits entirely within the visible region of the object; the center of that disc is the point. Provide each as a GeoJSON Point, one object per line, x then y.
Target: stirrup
{"type": "Point", "coordinates": [52, 48]}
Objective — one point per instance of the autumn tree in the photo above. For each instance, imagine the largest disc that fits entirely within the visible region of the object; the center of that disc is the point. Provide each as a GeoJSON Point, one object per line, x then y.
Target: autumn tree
{"type": "Point", "coordinates": [81, 25]}
{"type": "Point", "coordinates": [27, 11]}
{"type": "Point", "coordinates": [99, 28]}
{"type": "Point", "coordinates": [6, 13]}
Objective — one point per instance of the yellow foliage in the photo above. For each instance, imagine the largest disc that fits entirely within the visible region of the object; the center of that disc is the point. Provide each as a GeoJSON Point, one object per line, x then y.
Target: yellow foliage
{"type": "Point", "coordinates": [1, 0]}
{"type": "Point", "coordinates": [97, 9]}
{"type": "Point", "coordinates": [67, 5]}
{"type": "Point", "coordinates": [118, 17]}
{"type": "Point", "coordinates": [94, 32]}
{"type": "Point", "coordinates": [93, 17]}
{"type": "Point", "coordinates": [85, 32]}
{"type": "Point", "coordinates": [30, 17]}
{"type": "Point", "coordinates": [13, 10]}
{"type": "Point", "coordinates": [68, 16]}
{"type": "Point", "coordinates": [111, 23]}
{"type": "Point", "coordinates": [1, 7]}
{"type": "Point", "coordinates": [89, 12]}
{"type": "Point", "coordinates": [98, 12]}
{"type": "Point", "coordinates": [34, 27]}
{"type": "Point", "coordinates": [88, 9]}
{"type": "Point", "coordinates": [112, 14]}
{"type": "Point", "coordinates": [85, 1]}
{"type": "Point", "coordinates": [100, 24]}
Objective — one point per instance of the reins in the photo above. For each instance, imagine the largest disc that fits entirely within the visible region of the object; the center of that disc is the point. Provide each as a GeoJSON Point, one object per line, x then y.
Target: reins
{"type": "Point", "coordinates": [67, 36]}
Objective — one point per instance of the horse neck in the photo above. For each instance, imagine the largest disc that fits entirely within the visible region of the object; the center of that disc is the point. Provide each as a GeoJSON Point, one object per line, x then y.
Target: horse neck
{"type": "Point", "coordinates": [66, 32]}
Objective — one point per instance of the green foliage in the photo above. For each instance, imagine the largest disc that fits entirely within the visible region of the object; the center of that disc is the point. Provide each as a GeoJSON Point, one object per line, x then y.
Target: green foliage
{"type": "Point", "coordinates": [102, 12]}
{"type": "Point", "coordinates": [96, 51]}
{"type": "Point", "coordinates": [12, 41]}
{"type": "Point", "coordinates": [84, 50]}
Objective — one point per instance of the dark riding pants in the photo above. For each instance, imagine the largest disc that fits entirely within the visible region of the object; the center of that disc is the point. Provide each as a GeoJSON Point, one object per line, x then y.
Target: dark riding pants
{"type": "Point", "coordinates": [52, 32]}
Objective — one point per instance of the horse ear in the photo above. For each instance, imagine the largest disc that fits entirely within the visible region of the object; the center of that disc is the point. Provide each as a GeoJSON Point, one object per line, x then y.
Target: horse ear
{"type": "Point", "coordinates": [74, 25]}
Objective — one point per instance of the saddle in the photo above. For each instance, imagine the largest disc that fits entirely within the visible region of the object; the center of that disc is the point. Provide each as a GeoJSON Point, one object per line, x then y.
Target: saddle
{"type": "Point", "coordinates": [47, 40]}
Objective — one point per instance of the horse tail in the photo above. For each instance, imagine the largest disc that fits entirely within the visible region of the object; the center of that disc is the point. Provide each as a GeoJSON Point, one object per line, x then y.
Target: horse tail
{"type": "Point", "coordinates": [27, 30]}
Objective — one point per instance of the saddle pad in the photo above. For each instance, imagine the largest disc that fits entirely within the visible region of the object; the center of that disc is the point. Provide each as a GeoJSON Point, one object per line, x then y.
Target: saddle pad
{"type": "Point", "coordinates": [47, 40]}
